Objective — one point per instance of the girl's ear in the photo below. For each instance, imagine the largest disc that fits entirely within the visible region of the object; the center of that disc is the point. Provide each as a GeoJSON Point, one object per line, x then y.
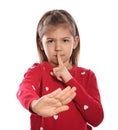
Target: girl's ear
{"type": "Point", "coordinates": [76, 41]}
{"type": "Point", "coordinates": [40, 44]}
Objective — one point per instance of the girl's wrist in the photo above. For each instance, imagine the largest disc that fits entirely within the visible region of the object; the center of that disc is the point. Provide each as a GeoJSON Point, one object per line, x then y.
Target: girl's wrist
{"type": "Point", "coordinates": [67, 77]}
{"type": "Point", "coordinates": [33, 106]}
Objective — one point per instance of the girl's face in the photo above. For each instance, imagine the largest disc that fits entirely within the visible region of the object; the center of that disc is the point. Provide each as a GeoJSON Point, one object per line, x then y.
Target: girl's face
{"type": "Point", "coordinates": [59, 40]}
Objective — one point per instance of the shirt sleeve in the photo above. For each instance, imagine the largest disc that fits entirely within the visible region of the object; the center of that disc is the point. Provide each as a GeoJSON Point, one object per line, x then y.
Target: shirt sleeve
{"type": "Point", "coordinates": [29, 88]}
{"type": "Point", "coordinates": [87, 99]}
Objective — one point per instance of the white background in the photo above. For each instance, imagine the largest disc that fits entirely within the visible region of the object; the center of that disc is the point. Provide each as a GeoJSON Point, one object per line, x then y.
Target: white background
{"type": "Point", "coordinates": [98, 26]}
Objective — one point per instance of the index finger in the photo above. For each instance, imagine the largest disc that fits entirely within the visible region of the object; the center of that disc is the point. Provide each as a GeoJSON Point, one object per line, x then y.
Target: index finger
{"type": "Point", "coordinates": [59, 59]}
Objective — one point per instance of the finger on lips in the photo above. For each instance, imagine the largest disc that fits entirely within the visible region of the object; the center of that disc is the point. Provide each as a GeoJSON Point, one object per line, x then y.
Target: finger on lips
{"type": "Point", "coordinates": [60, 62]}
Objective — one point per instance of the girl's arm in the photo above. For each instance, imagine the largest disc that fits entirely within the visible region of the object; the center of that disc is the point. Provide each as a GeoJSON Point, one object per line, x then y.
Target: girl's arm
{"type": "Point", "coordinates": [88, 101]}
{"type": "Point", "coordinates": [29, 88]}
{"type": "Point", "coordinates": [29, 94]}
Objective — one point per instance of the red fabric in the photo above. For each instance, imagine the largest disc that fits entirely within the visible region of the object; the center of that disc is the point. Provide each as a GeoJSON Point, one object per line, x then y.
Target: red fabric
{"type": "Point", "coordinates": [85, 109]}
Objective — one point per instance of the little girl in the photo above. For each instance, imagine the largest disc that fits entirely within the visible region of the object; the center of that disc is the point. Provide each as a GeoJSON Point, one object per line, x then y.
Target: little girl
{"type": "Point", "coordinates": [59, 94]}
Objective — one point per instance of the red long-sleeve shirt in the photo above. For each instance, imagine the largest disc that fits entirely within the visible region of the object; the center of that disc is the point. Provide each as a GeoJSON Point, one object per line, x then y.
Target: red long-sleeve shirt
{"type": "Point", "coordinates": [85, 109]}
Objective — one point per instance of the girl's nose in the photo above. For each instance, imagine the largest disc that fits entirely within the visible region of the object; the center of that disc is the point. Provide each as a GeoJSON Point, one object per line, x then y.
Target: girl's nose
{"type": "Point", "coordinates": [58, 46]}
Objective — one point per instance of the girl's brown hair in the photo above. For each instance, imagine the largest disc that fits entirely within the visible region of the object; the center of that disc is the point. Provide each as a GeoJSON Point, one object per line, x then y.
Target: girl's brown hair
{"type": "Point", "coordinates": [54, 18]}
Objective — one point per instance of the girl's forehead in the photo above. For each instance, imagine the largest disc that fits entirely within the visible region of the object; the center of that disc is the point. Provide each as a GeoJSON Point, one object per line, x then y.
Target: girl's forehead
{"type": "Point", "coordinates": [62, 27]}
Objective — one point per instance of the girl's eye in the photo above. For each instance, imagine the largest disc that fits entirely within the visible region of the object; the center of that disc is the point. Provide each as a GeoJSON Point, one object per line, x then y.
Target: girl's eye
{"type": "Point", "coordinates": [65, 40]}
{"type": "Point", "coordinates": [50, 41]}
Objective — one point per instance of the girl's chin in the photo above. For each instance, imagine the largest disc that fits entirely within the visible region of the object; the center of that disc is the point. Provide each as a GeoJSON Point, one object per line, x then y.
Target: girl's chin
{"type": "Point", "coordinates": [54, 63]}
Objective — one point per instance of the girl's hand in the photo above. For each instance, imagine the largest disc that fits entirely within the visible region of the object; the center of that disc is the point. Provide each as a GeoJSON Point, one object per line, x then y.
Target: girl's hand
{"type": "Point", "coordinates": [53, 103]}
{"type": "Point", "coordinates": [61, 72]}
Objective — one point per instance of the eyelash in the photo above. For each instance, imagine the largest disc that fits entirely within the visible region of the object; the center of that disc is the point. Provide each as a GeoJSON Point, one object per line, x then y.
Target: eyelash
{"type": "Point", "coordinates": [65, 40]}
{"type": "Point", "coordinates": [51, 41]}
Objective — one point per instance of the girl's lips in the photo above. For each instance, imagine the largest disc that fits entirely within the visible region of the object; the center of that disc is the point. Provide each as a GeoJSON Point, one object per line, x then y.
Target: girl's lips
{"type": "Point", "coordinates": [60, 55]}
{"type": "Point", "coordinates": [55, 56]}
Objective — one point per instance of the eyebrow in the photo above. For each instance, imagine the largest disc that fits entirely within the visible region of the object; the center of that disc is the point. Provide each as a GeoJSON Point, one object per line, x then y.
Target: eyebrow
{"type": "Point", "coordinates": [61, 38]}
